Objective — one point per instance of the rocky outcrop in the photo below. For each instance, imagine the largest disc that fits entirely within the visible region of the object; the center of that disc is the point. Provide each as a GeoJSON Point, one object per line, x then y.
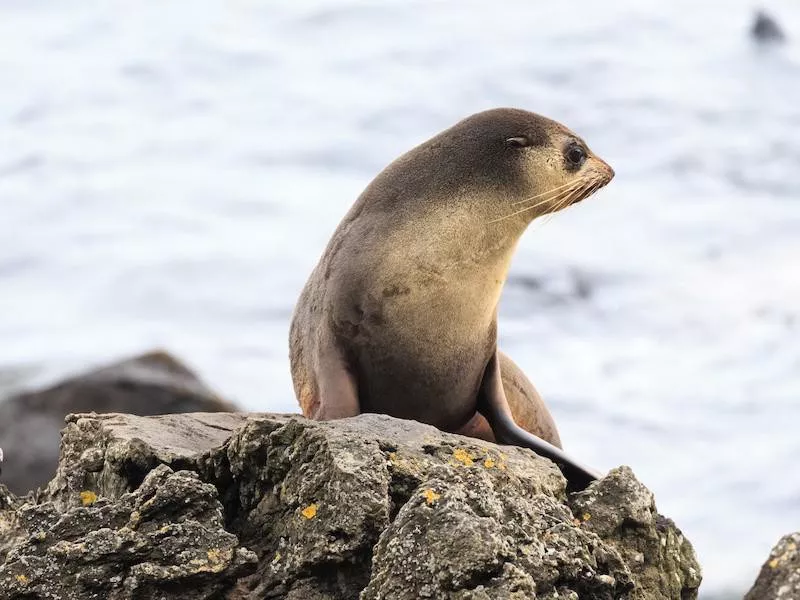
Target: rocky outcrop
{"type": "Point", "coordinates": [779, 578]}
{"type": "Point", "coordinates": [235, 506]}
{"type": "Point", "coordinates": [151, 384]}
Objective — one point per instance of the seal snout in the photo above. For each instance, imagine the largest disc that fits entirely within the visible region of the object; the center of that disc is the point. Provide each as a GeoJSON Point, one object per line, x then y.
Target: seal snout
{"type": "Point", "coordinates": [605, 170]}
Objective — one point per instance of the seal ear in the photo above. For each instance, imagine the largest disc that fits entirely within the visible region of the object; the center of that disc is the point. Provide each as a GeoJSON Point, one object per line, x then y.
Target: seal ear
{"type": "Point", "coordinates": [518, 142]}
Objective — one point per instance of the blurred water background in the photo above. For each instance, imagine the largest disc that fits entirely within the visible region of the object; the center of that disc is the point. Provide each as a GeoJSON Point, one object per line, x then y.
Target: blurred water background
{"type": "Point", "coordinates": [170, 173]}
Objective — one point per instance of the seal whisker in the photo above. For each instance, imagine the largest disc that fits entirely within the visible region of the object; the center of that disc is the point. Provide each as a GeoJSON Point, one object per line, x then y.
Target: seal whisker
{"type": "Point", "coordinates": [566, 201]}
{"type": "Point", "coordinates": [558, 194]}
{"type": "Point", "coordinates": [595, 186]}
{"type": "Point", "coordinates": [585, 188]}
{"type": "Point", "coordinates": [557, 197]}
{"type": "Point", "coordinates": [527, 208]}
{"type": "Point", "coordinates": [543, 193]}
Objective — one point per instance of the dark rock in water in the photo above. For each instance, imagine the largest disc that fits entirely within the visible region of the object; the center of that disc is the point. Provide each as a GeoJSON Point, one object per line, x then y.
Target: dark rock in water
{"type": "Point", "coordinates": [268, 506]}
{"type": "Point", "coordinates": [780, 576]}
{"type": "Point", "coordinates": [152, 384]}
{"type": "Point", "coordinates": [766, 29]}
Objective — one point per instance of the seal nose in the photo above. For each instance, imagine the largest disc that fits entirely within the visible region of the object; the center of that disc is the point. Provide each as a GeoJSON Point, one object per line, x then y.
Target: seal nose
{"type": "Point", "coordinates": [606, 169]}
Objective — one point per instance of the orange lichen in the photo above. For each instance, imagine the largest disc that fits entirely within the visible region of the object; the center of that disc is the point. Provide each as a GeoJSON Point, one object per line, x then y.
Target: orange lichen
{"type": "Point", "coordinates": [310, 511]}
{"type": "Point", "coordinates": [22, 579]}
{"type": "Point", "coordinates": [463, 457]}
{"type": "Point", "coordinates": [495, 460]}
{"type": "Point", "coordinates": [787, 553]}
{"type": "Point", "coordinates": [586, 516]}
{"type": "Point", "coordinates": [430, 496]}
{"type": "Point", "coordinates": [214, 555]}
{"type": "Point", "coordinates": [501, 461]}
{"type": "Point", "coordinates": [88, 498]}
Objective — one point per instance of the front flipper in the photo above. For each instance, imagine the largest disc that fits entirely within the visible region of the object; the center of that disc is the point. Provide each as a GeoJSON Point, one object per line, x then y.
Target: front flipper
{"type": "Point", "coordinates": [493, 405]}
{"type": "Point", "coordinates": [336, 385]}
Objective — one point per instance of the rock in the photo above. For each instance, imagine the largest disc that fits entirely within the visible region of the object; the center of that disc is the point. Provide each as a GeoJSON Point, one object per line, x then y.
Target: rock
{"type": "Point", "coordinates": [632, 525]}
{"type": "Point", "coordinates": [166, 537]}
{"type": "Point", "coordinates": [765, 29]}
{"type": "Point", "coordinates": [274, 506]}
{"type": "Point", "coordinates": [151, 384]}
{"type": "Point", "coordinates": [779, 578]}
{"type": "Point", "coordinates": [10, 527]}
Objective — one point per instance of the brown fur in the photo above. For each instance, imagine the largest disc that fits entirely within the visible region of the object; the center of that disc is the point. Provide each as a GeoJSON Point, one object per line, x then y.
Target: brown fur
{"type": "Point", "coordinates": [399, 315]}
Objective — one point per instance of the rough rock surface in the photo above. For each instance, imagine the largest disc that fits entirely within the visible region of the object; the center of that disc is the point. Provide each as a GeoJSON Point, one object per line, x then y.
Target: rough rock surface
{"type": "Point", "coordinates": [779, 578]}
{"type": "Point", "coordinates": [268, 506]}
{"type": "Point", "coordinates": [151, 384]}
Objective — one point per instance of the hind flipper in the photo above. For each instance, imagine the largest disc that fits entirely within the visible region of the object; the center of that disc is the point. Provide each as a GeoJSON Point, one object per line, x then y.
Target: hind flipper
{"type": "Point", "coordinates": [494, 406]}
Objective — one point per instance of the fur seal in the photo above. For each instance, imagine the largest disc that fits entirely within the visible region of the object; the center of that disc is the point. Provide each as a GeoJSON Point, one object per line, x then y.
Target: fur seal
{"type": "Point", "coordinates": [400, 314]}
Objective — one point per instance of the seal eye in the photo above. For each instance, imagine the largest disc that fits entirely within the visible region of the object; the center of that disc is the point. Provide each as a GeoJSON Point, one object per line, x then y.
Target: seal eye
{"type": "Point", "coordinates": [518, 141]}
{"type": "Point", "coordinates": [575, 156]}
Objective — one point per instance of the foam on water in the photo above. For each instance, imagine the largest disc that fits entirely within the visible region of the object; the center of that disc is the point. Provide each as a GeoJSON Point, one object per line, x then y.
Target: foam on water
{"type": "Point", "coordinates": [170, 175]}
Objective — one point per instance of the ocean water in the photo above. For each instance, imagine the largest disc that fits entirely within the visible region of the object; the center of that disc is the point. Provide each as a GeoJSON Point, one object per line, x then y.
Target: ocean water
{"type": "Point", "coordinates": [171, 172]}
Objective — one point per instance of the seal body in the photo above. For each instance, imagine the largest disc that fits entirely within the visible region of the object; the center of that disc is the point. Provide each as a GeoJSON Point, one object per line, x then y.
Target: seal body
{"type": "Point", "coordinates": [400, 314]}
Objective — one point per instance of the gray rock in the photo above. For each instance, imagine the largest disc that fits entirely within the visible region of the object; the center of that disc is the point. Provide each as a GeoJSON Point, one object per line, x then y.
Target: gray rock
{"type": "Point", "coordinates": [10, 525]}
{"type": "Point", "coordinates": [166, 539]}
{"type": "Point", "coordinates": [366, 508]}
{"type": "Point", "coordinates": [650, 545]}
{"type": "Point", "coordinates": [150, 384]}
{"type": "Point", "coordinates": [765, 29]}
{"type": "Point", "coordinates": [779, 578]}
